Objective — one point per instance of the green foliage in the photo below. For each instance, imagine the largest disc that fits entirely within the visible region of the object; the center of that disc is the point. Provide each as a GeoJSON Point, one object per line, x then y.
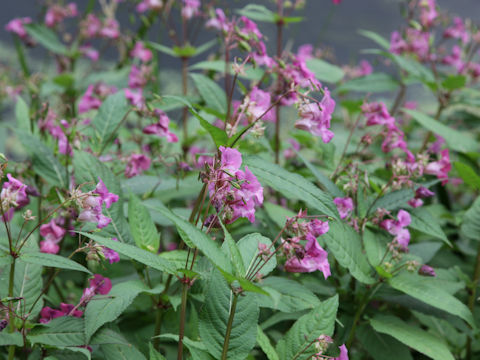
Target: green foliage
{"type": "Point", "coordinates": [142, 226]}
{"type": "Point", "coordinates": [211, 92]}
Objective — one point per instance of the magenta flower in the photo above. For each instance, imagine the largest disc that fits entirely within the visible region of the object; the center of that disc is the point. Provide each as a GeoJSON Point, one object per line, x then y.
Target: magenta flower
{"type": "Point", "coordinates": [139, 51]}
{"type": "Point", "coordinates": [160, 128]}
{"type": "Point", "coordinates": [139, 76]}
{"type": "Point", "coordinates": [16, 26]}
{"type": "Point", "coordinates": [455, 59]}
{"type": "Point", "coordinates": [426, 270]}
{"type": "Point", "coordinates": [69, 309]}
{"type": "Point", "coordinates": [398, 228]}
{"type": "Point", "coordinates": [305, 52]}
{"type": "Point", "coordinates": [88, 101]}
{"type": "Point", "coordinates": [56, 13]}
{"type": "Point", "coordinates": [111, 255]}
{"type": "Point", "coordinates": [135, 98]}
{"type": "Point", "coordinates": [47, 313]}
{"type": "Point", "coordinates": [248, 196]}
{"type": "Point", "coordinates": [343, 353]}
{"type": "Point", "coordinates": [105, 196]}
{"type": "Point", "coordinates": [441, 167]}
{"type": "Point", "coordinates": [110, 29]}
{"type": "Point", "coordinates": [230, 159]}
{"type": "Point", "coordinates": [314, 258]}
{"type": "Point", "coordinates": [218, 22]}
{"type": "Point", "coordinates": [91, 26]}
{"type": "Point", "coordinates": [457, 31]}
{"type": "Point", "coordinates": [344, 206]}
{"type": "Point", "coordinates": [53, 234]}
{"type": "Point", "coordinates": [377, 113]}
{"type": "Point", "coordinates": [146, 5]}
{"type": "Point", "coordinates": [190, 8]}
{"type": "Point", "coordinates": [315, 117]}
{"type": "Point", "coordinates": [428, 12]}
{"type": "Point", "coordinates": [258, 102]}
{"type": "Point", "coordinates": [137, 163]}
{"type": "Point", "coordinates": [249, 28]}
{"type": "Point", "coordinates": [99, 285]}
{"type": "Point", "coordinates": [200, 160]}
{"type": "Point", "coordinates": [290, 152]}
{"type": "Point", "coordinates": [13, 196]}
{"type": "Point", "coordinates": [89, 52]}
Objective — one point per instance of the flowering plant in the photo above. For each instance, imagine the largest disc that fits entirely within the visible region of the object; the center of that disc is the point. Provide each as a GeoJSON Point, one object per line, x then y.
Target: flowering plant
{"type": "Point", "coordinates": [261, 203]}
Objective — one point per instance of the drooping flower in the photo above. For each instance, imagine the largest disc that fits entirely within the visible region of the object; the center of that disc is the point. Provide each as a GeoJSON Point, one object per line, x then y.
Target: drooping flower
{"type": "Point", "coordinates": [257, 104]}
{"type": "Point", "coordinates": [377, 113]}
{"type": "Point", "coordinates": [16, 26]}
{"type": "Point", "coordinates": [99, 285]}
{"type": "Point", "coordinates": [13, 197]}
{"type": "Point", "coordinates": [315, 117]}
{"type": "Point", "coordinates": [190, 8]}
{"type": "Point", "coordinates": [137, 163]}
{"type": "Point", "coordinates": [455, 59]}
{"type": "Point", "coordinates": [88, 101]}
{"type": "Point", "coordinates": [105, 196]}
{"type": "Point", "coordinates": [111, 255]}
{"type": "Point", "coordinates": [314, 258]}
{"type": "Point", "coordinates": [344, 206]}
{"type": "Point", "coordinates": [135, 98]}
{"type": "Point", "coordinates": [139, 76]}
{"type": "Point", "coordinates": [110, 29]}
{"type": "Point", "coordinates": [343, 353]}
{"type": "Point", "coordinates": [47, 314]}
{"type": "Point", "coordinates": [428, 12]}
{"type": "Point", "coordinates": [89, 52]}
{"type": "Point", "coordinates": [53, 234]}
{"type": "Point", "coordinates": [398, 228]}
{"type": "Point", "coordinates": [160, 128]}
{"type": "Point", "coordinates": [219, 21]}
{"type": "Point", "coordinates": [141, 52]}
{"type": "Point", "coordinates": [146, 5]}
{"type": "Point", "coordinates": [441, 167]}
{"type": "Point", "coordinates": [457, 31]}
{"type": "Point", "coordinates": [420, 193]}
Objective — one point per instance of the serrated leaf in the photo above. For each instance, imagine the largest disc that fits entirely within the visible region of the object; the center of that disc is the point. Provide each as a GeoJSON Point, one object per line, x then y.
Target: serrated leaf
{"type": "Point", "coordinates": [62, 331]}
{"type": "Point", "coordinates": [456, 140]}
{"type": "Point", "coordinates": [43, 160]}
{"type": "Point", "coordinates": [468, 175]}
{"type": "Point", "coordinates": [286, 295]}
{"type": "Point", "coordinates": [11, 338]}
{"type": "Point", "coordinates": [121, 352]}
{"type": "Point", "coordinates": [319, 321]}
{"type": "Point", "coordinates": [47, 38]}
{"type": "Point", "coordinates": [108, 118]}
{"type": "Point", "coordinates": [143, 229]}
{"type": "Point", "coordinates": [471, 222]}
{"type": "Point", "coordinates": [380, 346]}
{"type": "Point", "coordinates": [105, 335]}
{"type": "Point", "coordinates": [432, 293]}
{"type": "Point", "coordinates": [88, 169]}
{"type": "Point", "coordinates": [140, 255]}
{"type": "Point", "coordinates": [22, 115]}
{"type": "Point", "coordinates": [103, 309]}
{"type": "Point", "coordinates": [214, 317]}
{"type": "Point", "coordinates": [248, 247]}
{"type": "Point", "coordinates": [52, 260]}
{"type": "Point", "coordinates": [345, 245]}
{"type": "Point", "coordinates": [424, 222]}
{"type": "Point", "coordinates": [293, 186]}
{"type": "Point", "coordinates": [265, 345]}
{"type": "Point", "coordinates": [412, 336]}
{"type": "Point", "coordinates": [211, 92]}
{"type": "Point", "coordinates": [194, 237]}
{"type": "Point", "coordinates": [325, 71]}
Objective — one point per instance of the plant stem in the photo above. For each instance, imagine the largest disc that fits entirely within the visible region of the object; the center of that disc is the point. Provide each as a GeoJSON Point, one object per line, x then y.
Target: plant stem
{"type": "Point", "coordinates": [184, 92]}
{"type": "Point", "coordinates": [182, 321]}
{"type": "Point", "coordinates": [233, 306]}
{"type": "Point", "coordinates": [280, 24]}
{"type": "Point", "coordinates": [158, 326]}
{"type": "Point", "coordinates": [11, 317]}
{"type": "Point", "coordinates": [471, 298]}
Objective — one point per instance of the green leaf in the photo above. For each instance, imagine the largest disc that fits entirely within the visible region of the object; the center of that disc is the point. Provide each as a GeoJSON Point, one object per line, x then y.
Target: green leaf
{"type": "Point", "coordinates": [456, 140]}
{"type": "Point", "coordinates": [154, 354]}
{"type": "Point", "coordinates": [375, 246]}
{"type": "Point", "coordinates": [22, 115]}
{"type": "Point", "coordinates": [293, 186]}
{"type": "Point", "coordinates": [277, 213]}
{"type": "Point", "coordinates": [393, 200]}
{"type": "Point", "coordinates": [432, 293]}
{"type": "Point", "coordinates": [327, 184]}
{"type": "Point", "coordinates": [257, 13]}
{"type": "Point", "coordinates": [319, 321]}
{"type": "Point", "coordinates": [214, 317]}
{"type": "Point", "coordinates": [162, 48]}
{"type": "Point", "coordinates": [104, 309]}
{"type": "Point", "coordinates": [44, 161]}
{"type": "Point", "coordinates": [251, 73]}
{"type": "Point", "coordinates": [234, 252]}
{"type": "Point", "coordinates": [135, 253]}
{"type": "Point", "coordinates": [325, 71]}
{"type": "Point", "coordinates": [468, 175]}
{"type": "Point", "coordinates": [52, 260]}
{"type": "Point", "coordinates": [373, 83]}
{"type": "Point", "coordinates": [143, 229]}
{"type": "Point", "coordinates": [121, 352]}
{"type": "Point", "coordinates": [380, 346]}
{"type": "Point", "coordinates": [197, 349]}
{"type": "Point", "coordinates": [423, 221]}
{"type": "Point", "coordinates": [470, 228]}
{"type": "Point", "coordinates": [62, 331]}
{"type": "Point", "coordinates": [412, 336]}
{"type": "Point", "coordinates": [47, 38]}
{"type": "Point", "coordinates": [218, 135]}
{"type": "Point", "coordinates": [105, 335]}
{"type": "Point", "coordinates": [345, 245]}
{"type": "Point", "coordinates": [286, 295]}
{"type": "Point", "coordinates": [194, 237]}
{"type": "Point", "coordinates": [88, 169]}
{"type": "Point", "coordinates": [108, 118]}
{"type": "Point", "coordinates": [265, 345]}
{"type": "Point", "coordinates": [380, 40]}
{"type": "Point", "coordinates": [11, 338]}
{"type": "Point", "coordinates": [454, 82]}
{"type": "Point", "coordinates": [211, 92]}
{"type": "Point", "coordinates": [248, 246]}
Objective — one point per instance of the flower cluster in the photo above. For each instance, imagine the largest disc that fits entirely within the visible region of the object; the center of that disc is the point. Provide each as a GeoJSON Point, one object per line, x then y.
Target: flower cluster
{"type": "Point", "coordinates": [398, 228]}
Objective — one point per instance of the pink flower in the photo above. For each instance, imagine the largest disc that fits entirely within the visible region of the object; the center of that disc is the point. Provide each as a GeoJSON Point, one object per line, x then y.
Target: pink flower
{"type": "Point", "coordinates": [160, 128]}
{"type": "Point", "coordinates": [230, 159]}
{"type": "Point", "coordinates": [110, 29]}
{"type": "Point", "coordinates": [190, 8]}
{"type": "Point", "coordinates": [149, 5]}
{"type": "Point", "coordinates": [68, 309]}
{"type": "Point", "coordinates": [457, 31]}
{"type": "Point", "coordinates": [57, 13]}
{"type": "Point", "coordinates": [305, 52]}
{"type": "Point", "coordinates": [428, 12]}
{"type": "Point", "coordinates": [336, 2]}
{"type": "Point", "coordinates": [105, 196]}
{"type": "Point", "coordinates": [91, 26]}
{"type": "Point", "coordinates": [344, 206]}
{"type": "Point", "coordinates": [455, 59]}
{"type": "Point", "coordinates": [398, 228]}
{"type": "Point", "coordinates": [16, 26]}
{"type": "Point", "coordinates": [135, 98]}
{"type": "Point", "coordinates": [258, 102]}
{"type": "Point", "coordinates": [290, 152]}
{"type": "Point", "coordinates": [47, 313]}
{"type": "Point", "coordinates": [98, 285]}
{"type": "Point", "coordinates": [441, 167]}
{"type": "Point", "coordinates": [89, 52]}
{"type": "Point", "coordinates": [111, 255]}
{"type": "Point", "coordinates": [343, 353]}
{"type": "Point", "coordinates": [137, 163]}
{"type": "Point", "coordinates": [314, 258]}
{"type": "Point", "coordinates": [416, 42]}
{"type": "Point", "coordinates": [53, 234]}
{"type": "Point", "coordinates": [141, 52]}
{"type": "Point", "coordinates": [426, 270]}
{"type": "Point", "coordinates": [315, 117]}
{"type": "Point", "coordinates": [249, 28]}
{"type": "Point", "coordinates": [88, 101]}
{"type": "Point", "coordinates": [13, 196]}
{"type": "Point", "coordinates": [139, 76]}
{"type": "Point", "coordinates": [218, 22]}
{"type": "Point", "coordinates": [377, 114]}
{"type": "Point", "coordinates": [201, 160]}
{"type": "Point", "coordinates": [248, 196]}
